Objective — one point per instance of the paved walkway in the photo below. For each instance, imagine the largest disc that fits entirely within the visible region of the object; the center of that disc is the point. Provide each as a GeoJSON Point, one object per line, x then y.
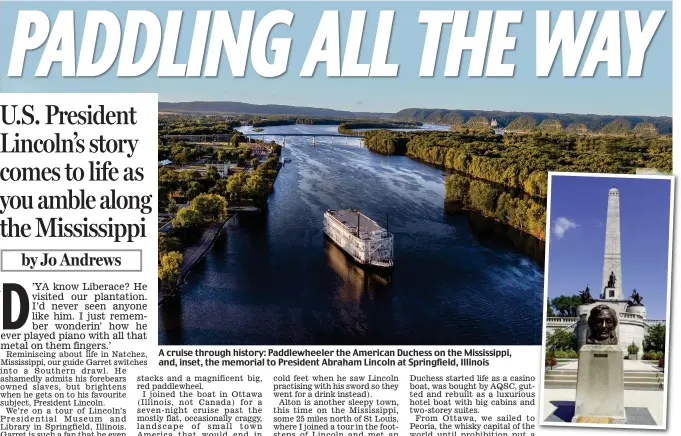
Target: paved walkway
{"type": "Point", "coordinates": [629, 365]}
{"type": "Point", "coordinates": [642, 407]}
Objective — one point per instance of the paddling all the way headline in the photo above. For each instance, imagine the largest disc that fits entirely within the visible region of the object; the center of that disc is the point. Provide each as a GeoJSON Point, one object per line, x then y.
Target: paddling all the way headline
{"type": "Point", "coordinates": [146, 42]}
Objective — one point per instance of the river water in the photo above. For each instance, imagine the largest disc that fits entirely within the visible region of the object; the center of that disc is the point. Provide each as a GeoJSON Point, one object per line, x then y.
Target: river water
{"type": "Point", "coordinates": [274, 278]}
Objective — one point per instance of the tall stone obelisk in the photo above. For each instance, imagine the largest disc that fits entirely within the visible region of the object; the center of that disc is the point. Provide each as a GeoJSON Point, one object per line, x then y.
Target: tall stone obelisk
{"type": "Point", "coordinates": [612, 259]}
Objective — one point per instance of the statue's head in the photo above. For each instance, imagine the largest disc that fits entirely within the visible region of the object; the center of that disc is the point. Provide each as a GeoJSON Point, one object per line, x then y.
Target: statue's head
{"type": "Point", "coordinates": [602, 324]}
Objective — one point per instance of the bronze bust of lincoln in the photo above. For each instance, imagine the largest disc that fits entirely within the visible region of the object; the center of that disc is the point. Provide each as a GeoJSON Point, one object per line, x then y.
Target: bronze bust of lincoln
{"type": "Point", "coordinates": [602, 326]}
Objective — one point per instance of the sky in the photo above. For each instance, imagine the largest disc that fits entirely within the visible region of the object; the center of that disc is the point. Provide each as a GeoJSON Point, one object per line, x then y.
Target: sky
{"type": "Point", "coordinates": [646, 95]}
{"type": "Point", "coordinates": [577, 241]}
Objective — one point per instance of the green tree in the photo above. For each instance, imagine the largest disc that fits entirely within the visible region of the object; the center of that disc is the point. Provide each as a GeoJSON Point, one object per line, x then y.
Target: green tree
{"type": "Point", "coordinates": [549, 309]}
{"type": "Point", "coordinates": [172, 206]}
{"type": "Point", "coordinates": [187, 218]}
{"type": "Point", "coordinates": [193, 189]}
{"type": "Point", "coordinates": [655, 338]}
{"type": "Point", "coordinates": [167, 243]}
{"type": "Point", "coordinates": [220, 187]}
{"type": "Point", "coordinates": [562, 340]}
{"type": "Point", "coordinates": [566, 306]}
{"type": "Point", "coordinates": [537, 184]}
{"type": "Point", "coordinates": [255, 186]}
{"type": "Point", "coordinates": [456, 189]}
{"type": "Point", "coordinates": [169, 268]}
{"type": "Point", "coordinates": [180, 154]}
{"type": "Point", "coordinates": [276, 148]}
{"type": "Point", "coordinates": [504, 206]}
{"type": "Point", "coordinates": [518, 214]}
{"type": "Point", "coordinates": [236, 138]}
{"type": "Point", "coordinates": [235, 185]}
{"type": "Point", "coordinates": [211, 207]}
{"type": "Point", "coordinates": [212, 173]}
{"type": "Point", "coordinates": [186, 176]}
{"type": "Point", "coordinates": [482, 196]}
{"type": "Point", "coordinates": [536, 219]}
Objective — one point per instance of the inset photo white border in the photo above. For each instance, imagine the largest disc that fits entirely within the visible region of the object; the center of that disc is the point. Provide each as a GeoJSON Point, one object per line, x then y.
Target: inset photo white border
{"type": "Point", "coordinates": [544, 402]}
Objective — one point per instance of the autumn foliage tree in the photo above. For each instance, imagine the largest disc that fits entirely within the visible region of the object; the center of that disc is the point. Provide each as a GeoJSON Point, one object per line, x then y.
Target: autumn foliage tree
{"type": "Point", "coordinates": [169, 268]}
{"type": "Point", "coordinates": [211, 207]}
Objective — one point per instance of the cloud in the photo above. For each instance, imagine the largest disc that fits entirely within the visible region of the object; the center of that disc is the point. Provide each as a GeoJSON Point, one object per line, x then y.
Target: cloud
{"type": "Point", "coordinates": [562, 225]}
{"type": "Point", "coordinates": [359, 102]}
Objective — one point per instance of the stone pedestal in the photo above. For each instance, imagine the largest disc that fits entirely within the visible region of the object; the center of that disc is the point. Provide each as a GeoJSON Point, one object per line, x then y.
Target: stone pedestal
{"type": "Point", "coordinates": [600, 385]}
{"type": "Point", "coordinates": [609, 294]}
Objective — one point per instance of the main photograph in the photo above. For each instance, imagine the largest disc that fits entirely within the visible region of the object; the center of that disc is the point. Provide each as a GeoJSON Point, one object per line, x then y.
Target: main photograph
{"type": "Point", "coordinates": [337, 211]}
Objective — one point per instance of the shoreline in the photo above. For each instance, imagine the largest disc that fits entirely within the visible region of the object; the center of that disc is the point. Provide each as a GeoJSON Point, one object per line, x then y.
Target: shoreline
{"type": "Point", "coordinates": [483, 227]}
{"type": "Point", "coordinates": [454, 208]}
{"type": "Point", "coordinates": [197, 253]}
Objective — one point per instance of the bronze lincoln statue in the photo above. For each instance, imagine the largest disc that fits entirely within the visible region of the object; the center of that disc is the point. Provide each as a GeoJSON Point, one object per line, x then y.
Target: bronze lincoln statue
{"type": "Point", "coordinates": [602, 326]}
{"type": "Point", "coordinates": [611, 280]}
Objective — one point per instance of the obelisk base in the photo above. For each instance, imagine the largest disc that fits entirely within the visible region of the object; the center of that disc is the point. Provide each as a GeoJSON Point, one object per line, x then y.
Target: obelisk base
{"type": "Point", "coordinates": [610, 294]}
{"type": "Point", "coordinates": [600, 385]}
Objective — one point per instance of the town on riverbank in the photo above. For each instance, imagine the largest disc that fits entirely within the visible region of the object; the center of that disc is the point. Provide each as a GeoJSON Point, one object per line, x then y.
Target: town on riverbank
{"type": "Point", "coordinates": [204, 180]}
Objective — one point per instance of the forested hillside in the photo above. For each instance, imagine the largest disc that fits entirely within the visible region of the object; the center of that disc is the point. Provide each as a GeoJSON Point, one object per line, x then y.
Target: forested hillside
{"type": "Point", "coordinates": [528, 120]}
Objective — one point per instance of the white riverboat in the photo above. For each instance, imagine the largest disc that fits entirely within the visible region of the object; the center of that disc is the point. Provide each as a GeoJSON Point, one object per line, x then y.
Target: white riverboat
{"type": "Point", "coordinates": [360, 237]}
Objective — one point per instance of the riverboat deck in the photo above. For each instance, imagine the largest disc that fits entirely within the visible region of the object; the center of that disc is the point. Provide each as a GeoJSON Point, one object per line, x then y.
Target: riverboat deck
{"type": "Point", "coordinates": [350, 218]}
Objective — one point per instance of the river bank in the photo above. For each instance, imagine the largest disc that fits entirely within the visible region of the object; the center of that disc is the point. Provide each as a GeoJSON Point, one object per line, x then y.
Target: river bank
{"type": "Point", "coordinates": [493, 231]}
{"type": "Point", "coordinates": [191, 255]}
{"type": "Point", "coordinates": [354, 128]}
{"type": "Point", "coordinates": [507, 205]}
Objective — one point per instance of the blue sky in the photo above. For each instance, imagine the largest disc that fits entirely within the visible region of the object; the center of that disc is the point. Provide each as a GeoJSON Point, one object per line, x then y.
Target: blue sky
{"type": "Point", "coordinates": [647, 95]}
{"type": "Point", "coordinates": [576, 257]}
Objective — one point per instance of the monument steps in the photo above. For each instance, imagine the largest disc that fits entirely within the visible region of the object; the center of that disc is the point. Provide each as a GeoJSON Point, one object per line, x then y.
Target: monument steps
{"type": "Point", "coordinates": [652, 374]}
{"type": "Point", "coordinates": [633, 380]}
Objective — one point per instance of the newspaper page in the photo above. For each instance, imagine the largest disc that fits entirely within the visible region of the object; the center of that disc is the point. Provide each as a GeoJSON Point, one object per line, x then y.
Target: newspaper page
{"type": "Point", "coordinates": [373, 218]}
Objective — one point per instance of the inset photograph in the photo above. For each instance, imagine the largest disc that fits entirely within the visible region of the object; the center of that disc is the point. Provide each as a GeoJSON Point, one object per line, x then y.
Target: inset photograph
{"type": "Point", "coordinates": [607, 287]}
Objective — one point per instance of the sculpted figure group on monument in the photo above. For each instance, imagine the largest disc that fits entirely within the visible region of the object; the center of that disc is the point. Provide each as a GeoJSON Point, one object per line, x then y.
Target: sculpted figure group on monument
{"type": "Point", "coordinates": [585, 296]}
{"type": "Point", "coordinates": [635, 299]}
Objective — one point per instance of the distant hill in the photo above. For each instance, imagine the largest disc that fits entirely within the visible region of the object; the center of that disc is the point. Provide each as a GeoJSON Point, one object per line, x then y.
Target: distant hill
{"type": "Point", "coordinates": [235, 107]}
{"type": "Point", "coordinates": [594, 123]}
